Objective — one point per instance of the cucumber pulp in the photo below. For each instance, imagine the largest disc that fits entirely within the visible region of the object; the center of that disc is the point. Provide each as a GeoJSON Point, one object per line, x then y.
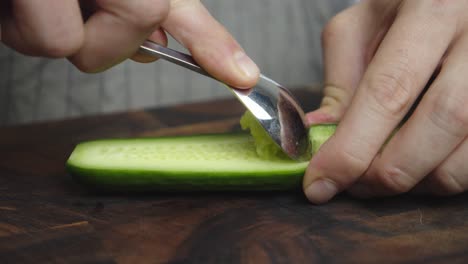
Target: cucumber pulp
{"type": "Point", "coordinates": [201, 162]}
{"type": "Point", "coordinates": [265, 147]}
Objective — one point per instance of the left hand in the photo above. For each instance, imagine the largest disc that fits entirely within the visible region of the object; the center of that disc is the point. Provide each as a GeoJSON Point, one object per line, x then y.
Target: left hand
{"type": "Point", "coordinates": [379, 56]}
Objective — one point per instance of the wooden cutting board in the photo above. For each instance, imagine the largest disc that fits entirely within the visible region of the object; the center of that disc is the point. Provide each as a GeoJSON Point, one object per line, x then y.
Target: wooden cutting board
{"type": "Point", "coordinates": [45, 217]}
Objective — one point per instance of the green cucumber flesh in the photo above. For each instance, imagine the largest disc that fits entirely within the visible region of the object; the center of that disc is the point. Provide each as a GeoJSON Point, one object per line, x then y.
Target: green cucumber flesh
{"type": "Point", "coordinates": [200, 162]}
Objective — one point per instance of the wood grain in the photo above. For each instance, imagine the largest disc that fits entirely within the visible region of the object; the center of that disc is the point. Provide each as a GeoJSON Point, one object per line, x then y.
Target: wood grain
{"type": "Point", "coordinates": [45, 217]}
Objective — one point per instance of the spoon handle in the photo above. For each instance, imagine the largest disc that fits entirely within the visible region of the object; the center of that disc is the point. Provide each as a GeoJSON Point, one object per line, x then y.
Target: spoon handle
{"type": "Point", "coordinates": [177, 57]}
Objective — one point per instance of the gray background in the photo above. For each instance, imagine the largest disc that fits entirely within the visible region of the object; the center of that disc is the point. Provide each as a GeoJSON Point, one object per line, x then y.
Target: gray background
{"type": "Point", "coordinates": [283, 38]}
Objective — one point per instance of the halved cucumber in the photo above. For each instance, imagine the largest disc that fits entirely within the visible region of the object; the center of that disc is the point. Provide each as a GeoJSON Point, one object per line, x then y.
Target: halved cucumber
{"type": "Point", "coordinates": [200, 162]}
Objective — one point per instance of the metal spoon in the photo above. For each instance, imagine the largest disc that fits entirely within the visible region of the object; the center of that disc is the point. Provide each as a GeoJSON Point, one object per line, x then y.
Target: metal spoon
{"type": "Point", "coordinates": [273, 105]}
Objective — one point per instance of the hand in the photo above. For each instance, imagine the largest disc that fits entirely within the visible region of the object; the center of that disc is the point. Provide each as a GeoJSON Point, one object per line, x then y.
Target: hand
{"type": "Point", "coordinates": [97, 34]}
{"type": "Point", "coordinates": [379, 56]}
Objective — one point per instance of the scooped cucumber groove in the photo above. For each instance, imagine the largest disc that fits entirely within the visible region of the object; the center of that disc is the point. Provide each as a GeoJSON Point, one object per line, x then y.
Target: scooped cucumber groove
{"type": "Point", "coordinates": [229, 161]}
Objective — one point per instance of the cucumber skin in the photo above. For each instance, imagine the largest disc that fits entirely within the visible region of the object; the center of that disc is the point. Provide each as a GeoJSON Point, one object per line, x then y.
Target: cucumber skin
{"type": "Point", "coordinates": [120, 180]}
{"type": "Point", "coordinates": [143, 181]}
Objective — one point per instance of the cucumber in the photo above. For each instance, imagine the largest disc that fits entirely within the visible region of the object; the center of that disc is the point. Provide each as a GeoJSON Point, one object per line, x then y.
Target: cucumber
{"type": "Point", "coordinates": [187, 163]}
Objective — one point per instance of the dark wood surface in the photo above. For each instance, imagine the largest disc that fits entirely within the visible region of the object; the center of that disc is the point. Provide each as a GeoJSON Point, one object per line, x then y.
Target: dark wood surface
{"type": "Point", "coordinates": [45, 217]}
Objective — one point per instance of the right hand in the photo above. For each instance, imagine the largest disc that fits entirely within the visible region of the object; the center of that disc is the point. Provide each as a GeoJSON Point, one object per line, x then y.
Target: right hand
{"type": "Point", "coordinates": [394, 68]}
{"type": "Point", "coordinates": [98, 34]}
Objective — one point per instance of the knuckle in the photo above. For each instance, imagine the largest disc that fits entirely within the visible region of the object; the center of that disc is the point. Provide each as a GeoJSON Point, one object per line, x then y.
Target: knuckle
{"type": "Point", "coordinates": [148, 13]}
{"type": "Point", "coordinates": [450, 114]}
{"type": "Point", "coordinates": [61, 42]}
{"type": "Point", "coordinates": [443, 9]}
{"type": "Point", "coordinates": [339, 160]}
{"type": "Point", "coordinates": [440, 3]}
{"type": "Point", "coordinates": [349, 159]}
{"type": "Point", "coordinates": [337, 94]}
{"type": "Point", "coordinates": [391, 91]}
{"type": "Point", "coordinates": [394, 179]}
{"type": "Point", "coordinates": [337, 98]}
{"type": "Point", "coordinates": [446, 182]}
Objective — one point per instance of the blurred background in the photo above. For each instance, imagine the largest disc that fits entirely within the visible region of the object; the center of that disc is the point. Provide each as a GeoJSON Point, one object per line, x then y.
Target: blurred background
{"type": "Point", "coordinates": [282, 37]}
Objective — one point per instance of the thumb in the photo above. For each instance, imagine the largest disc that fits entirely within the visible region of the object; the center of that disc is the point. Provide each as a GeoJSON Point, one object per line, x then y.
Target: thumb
{"type": "Point", "coordinates": [348, 41]}
{"type": "Point", "coordinates": [190, 23]}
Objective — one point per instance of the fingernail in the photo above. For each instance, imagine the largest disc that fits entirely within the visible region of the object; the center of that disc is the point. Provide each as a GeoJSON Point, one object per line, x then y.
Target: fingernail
{"type": "Point", "coordinates": [320, 116]}
{"type": "Point", "coordinates": [248, 68]}
{"type": "Point", "coordinates": [320, 191]}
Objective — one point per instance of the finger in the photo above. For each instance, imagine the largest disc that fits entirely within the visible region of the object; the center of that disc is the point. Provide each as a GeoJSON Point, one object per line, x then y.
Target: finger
{"type": "Point", "coordinates": [450, 177]}
{"type": "Point", "coordinates": [436, 128]}
{"type": "Point", "coordinates": [210, 44]}
{"type": "Point", "coordinates": [398, 72]}
{"type": "Point", "coordinates": [116, 30]}
{"type": "Point", "coordinates": [345, 42]}
{"type": "Point", "coordinates": [51, 28]}
{"type": "Point", "coordinates": [158, 36]}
